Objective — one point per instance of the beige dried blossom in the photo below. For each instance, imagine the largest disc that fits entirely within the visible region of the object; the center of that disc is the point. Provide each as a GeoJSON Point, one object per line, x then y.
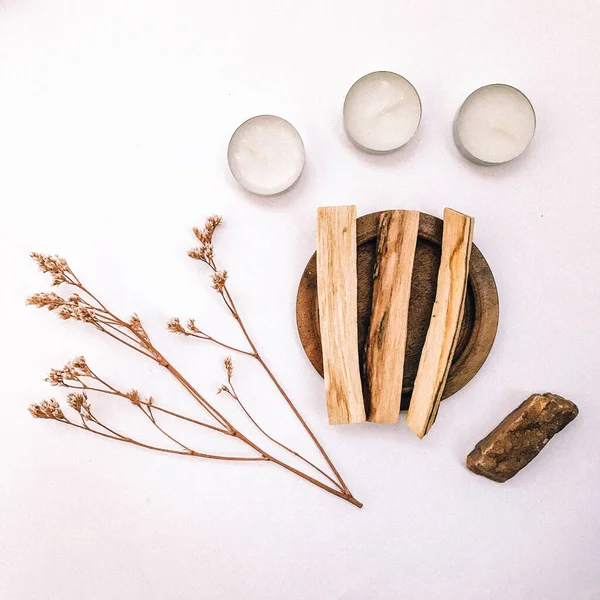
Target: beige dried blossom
{"type": "Point", "coordinates": [47, 409]}
{"type": "Point", "coordinates": [205, 253]}
{"type": "Point", "coordinates": [72, 310]}
{"type": "Point", "coordinates": [72, 371]}
{"type": "Point", "coordinates": [55, 377]}
{"type": "Point", "coordinates": [202, 235]}
{"type": "Point", "coordinates": [55, 265]}
{"type": "Point", "coordinates": [136, 326]}
{"type": "Point", "coordinates": [174, 326]}
{"type": "Point", "coordinates": [209, 252]}
{"type": "Point", "coordinates": [48, 300]}
{"type": "Point", "coordinates": [196, 254]}
{"type": "Point", "coordinates": [205, 235]}
{"type": "Point", "coordinates": [80, 365]}
{"type": "Point", "coordinates": [219, 279]}
{"type": "Point", "coordinates": [78, 401]}
{"type": "Point", "coordinates": [74, 307]}
{"type": "Point", "coordinates": [212, 223]}
{"type": "Point", "coordinates": [191, 325]}
{"type": "Point", "coordinates": [134, 397]}
{"type": "Point", "coordinates": [224, 389]}
{"type": "Point", "coordinates": [228, 366]}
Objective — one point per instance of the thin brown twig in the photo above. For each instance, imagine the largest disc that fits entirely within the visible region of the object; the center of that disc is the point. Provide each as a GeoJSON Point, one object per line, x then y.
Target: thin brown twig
{"type": "Point", "coordinates": [160, 449]}
{"type": "Point", "coordinates": [114, 392]}
{"type": "Point", "coordinates": [148, 413]}
{"type": "Point", "coordinates": [209, 338]}
{"type": "Point", "coordinates": [255, 354]}
{"type": "Point", "coordinates": [118, 328]}
{"type": "Point", "coordinates": [233, 393]}
{"type": "Point", "coordinates": [112, 335]}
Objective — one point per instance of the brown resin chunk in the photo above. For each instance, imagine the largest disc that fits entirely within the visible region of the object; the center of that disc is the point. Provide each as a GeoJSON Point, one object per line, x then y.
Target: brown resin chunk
{"type": "Point", "coordinates": [521, 436]}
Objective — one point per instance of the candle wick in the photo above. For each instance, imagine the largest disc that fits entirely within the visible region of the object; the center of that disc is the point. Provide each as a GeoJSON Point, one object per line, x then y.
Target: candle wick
{"type": "Point", "coordinates": [253, 149]}
{"type": "Point", "coordinates": [390, 107]}
{"type": "Point", "coordinates": [505, 132]}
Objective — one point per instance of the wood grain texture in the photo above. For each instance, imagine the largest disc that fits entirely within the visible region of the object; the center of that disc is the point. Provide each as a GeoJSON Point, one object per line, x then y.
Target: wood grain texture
{"type": "Point", "coordinates": [480, 321]}
{"type": "Point", "coordinates": [386, 343]}
{"type": "Point", "coordinates": [444, 327]}
{"type": "Point", "coordinates": [337, 293]}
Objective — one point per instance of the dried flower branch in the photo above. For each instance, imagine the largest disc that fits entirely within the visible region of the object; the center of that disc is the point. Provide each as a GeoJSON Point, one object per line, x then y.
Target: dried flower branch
{"type": "Point", "coordinates": [76, 375]}
{"type": "Point", "coordinates": [205, 253]}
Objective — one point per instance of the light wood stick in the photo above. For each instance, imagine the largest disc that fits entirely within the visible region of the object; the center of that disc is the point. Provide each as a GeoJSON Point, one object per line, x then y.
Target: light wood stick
{"type": "Point", "coordinates": [338, 313]}
{"type": "Point", "coordinates": [386, 344]}
{"type": "Point", "coordinates": [445, 323]}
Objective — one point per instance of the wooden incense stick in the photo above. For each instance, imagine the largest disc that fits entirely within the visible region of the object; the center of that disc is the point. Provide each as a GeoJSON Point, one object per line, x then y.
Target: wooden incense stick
{"type": "Point", "coordinates": [386, 343]}
{"type": "Point", "coordinates": [338, 313]}
{"type": "Point", "coordinates": [445, 323]}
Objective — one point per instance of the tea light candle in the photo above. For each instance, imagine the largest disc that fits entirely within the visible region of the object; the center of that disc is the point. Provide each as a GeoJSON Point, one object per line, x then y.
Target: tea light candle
{"type": "Point", "coordinates": [266, 155]}
{"type": "Point", "coordinates": [382, 112]}
{"type": "Point", "coordinates": [495, 124]}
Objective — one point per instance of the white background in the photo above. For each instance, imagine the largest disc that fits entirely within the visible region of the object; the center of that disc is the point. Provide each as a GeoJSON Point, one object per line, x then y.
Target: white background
{"type": "Point", "coordinates": [114, 122]}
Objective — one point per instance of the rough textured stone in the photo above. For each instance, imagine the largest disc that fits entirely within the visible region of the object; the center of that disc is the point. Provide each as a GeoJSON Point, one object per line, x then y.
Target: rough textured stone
{"type": "Point", "coordinates": [521, 436]}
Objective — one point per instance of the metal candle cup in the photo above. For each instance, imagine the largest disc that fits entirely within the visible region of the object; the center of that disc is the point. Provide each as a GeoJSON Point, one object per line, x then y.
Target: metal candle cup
{"type": "Point", "coordinates": [494, 125]}
{"type": "Point", "coordinates": [382, 112]}
{"type": "Point", "coordinates": [266, 155]}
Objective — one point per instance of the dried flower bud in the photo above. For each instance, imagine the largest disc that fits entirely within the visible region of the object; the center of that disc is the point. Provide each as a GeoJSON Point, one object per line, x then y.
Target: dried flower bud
{"type": "Point", "coordinates": [222, 389]}
{"type": "Point", "coordinates": [72, 371]}
{"type": "Point", "coordinates": [202, 235]}
{"type": "Point", "coordinates": [55, 265]}
{"type": "Point", "coordinates": [204, 253]}
{"type": "Point", "coordinates": [72, 310]}
{"type": "Point", "coordinates": [136, 326]}
{"type": "Point", "coordinates": [191, 325]}
{"type": "Point", "coordinates": [55, 377]}
{"type": "Point", "coordinates": [212, 223]}
{"type": "Point", "coordinates": [36, 411]}
{"type": "Point", "coordinates": [134, 397]}
{"type": "Point", "coordinates": [49, 300]}
{"type": "Point", "coordinates": [79, 364]}
{"type": "Point", "coordinates": [174, 326]}
{"type": "Point", "coordinates": [219, 279]}
{"type": "Point", "coordinates": [78, 401]}
{"type": "Point", "coordinates": [228, 366]}
{"type": "Point", "coordinates": [47, 409]}
{"type": "Point", "coordinates": [196, 254]}
{"type": "Point", "coordinates": [74, 307]}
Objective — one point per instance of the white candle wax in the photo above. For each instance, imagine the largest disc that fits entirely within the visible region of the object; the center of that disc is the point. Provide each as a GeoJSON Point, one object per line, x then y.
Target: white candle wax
{"type": "Point", "coordinates": [266, 155]}
{"type": "Point", "coordinates": [495, 124]}
{"type": "Point", "coordinates": [382, 112]}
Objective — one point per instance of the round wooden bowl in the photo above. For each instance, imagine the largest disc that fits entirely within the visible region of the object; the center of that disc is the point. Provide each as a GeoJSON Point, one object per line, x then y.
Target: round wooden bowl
{"type": "Point", "coordinates": [480, 321]}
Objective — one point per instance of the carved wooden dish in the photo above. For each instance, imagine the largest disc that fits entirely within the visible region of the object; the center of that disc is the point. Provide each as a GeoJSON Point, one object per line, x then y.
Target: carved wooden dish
{"type": "Point", "coordinates": [480, 321]}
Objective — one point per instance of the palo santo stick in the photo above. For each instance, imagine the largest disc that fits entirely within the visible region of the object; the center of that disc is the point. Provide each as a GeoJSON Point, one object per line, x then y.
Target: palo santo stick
{"type": "Point", "coordinates": [386, 344]}
{"type": "Point", "coordinates": [338, 313]}
{"type": "Point", "coordinates": [446, 320]}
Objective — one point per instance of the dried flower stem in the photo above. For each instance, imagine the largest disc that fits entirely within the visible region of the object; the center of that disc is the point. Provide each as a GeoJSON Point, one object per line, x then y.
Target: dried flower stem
{"type": "Point", "coordinates": [230, 389]}
{"type": "Point", "coordinates": [77, 375]}
{"type": "Point", "coordinates": [127, 440]}
{"type": "Point", "coordinates": [205, 253]}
